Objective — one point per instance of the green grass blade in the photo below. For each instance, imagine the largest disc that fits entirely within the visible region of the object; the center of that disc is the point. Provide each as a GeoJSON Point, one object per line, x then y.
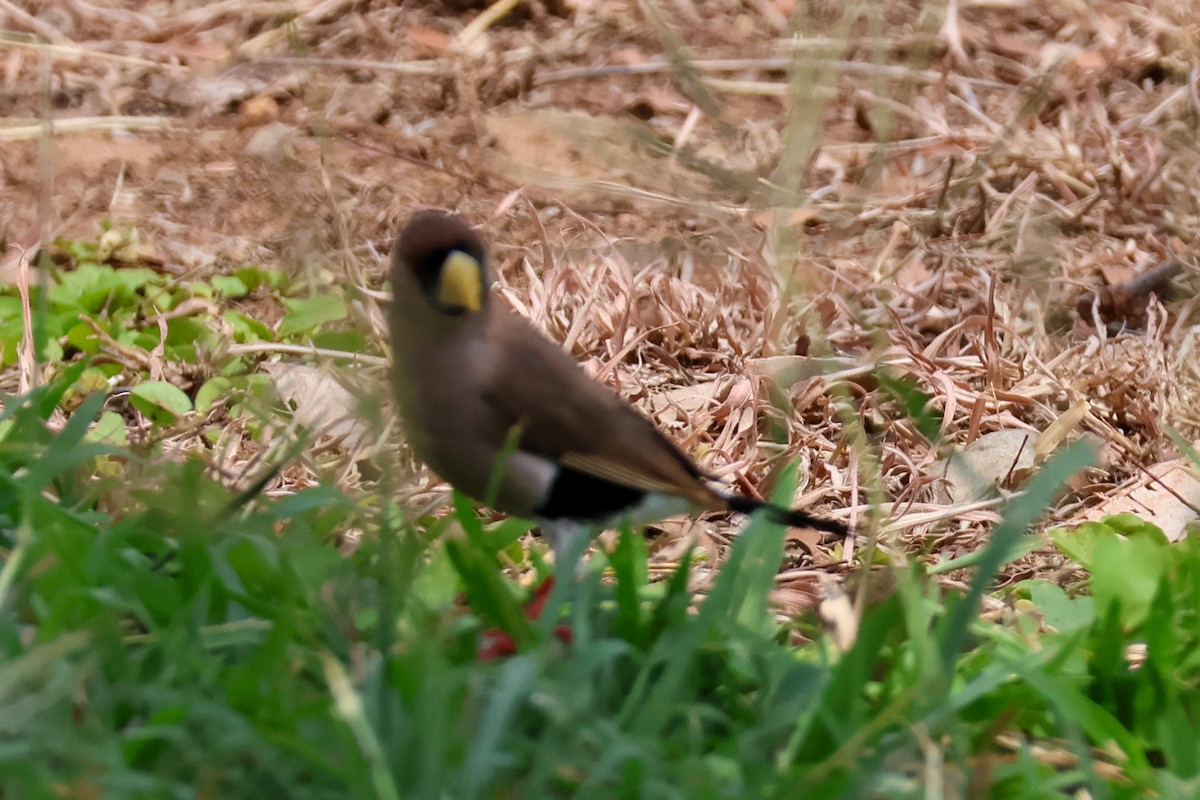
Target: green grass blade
{"type": "Point", "coordinates": [1019, 515]}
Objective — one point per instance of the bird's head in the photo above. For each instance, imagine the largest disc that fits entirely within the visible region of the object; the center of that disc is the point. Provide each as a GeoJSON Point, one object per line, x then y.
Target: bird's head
{"type": "Point", "coordinates": [446, 258]}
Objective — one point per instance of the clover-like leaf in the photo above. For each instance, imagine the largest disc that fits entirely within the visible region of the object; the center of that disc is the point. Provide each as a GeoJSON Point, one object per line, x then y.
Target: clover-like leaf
{"type": "Point", "coordinates": [160, 401]}
{"type": "Point", "coordinates": [229, 286]}
{"type": "Point", "coordinates": [306, 313]}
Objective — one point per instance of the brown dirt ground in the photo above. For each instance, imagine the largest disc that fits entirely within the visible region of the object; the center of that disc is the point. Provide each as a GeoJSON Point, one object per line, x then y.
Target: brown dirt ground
{"type": "Point", "coordinates": [967, 197]}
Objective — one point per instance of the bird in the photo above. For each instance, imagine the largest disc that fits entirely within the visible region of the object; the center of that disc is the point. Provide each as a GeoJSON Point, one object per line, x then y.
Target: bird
{"type": "Point", "coordinates": [506, 416]}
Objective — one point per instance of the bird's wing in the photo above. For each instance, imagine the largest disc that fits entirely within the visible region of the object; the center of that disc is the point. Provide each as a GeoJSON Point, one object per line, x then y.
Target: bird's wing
{"type": "Point", "coordinates": [581, 425]}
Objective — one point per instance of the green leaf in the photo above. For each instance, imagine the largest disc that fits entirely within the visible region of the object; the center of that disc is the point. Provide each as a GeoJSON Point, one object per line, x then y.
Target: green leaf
{"type": "Point", "coordinates": [229, 286]}
{"type": "Point", "coordinates": [1128, 570]}
{"type": "Point", "coordinates": [36, 666]}
{"type": "Point", "coordinates": [12, 329]}
{"type": "Point", "coordinates": [490, 594]}
{"type": "Point", "coordinates": [629, 562]}
{"type": "Point", "coordinates": [67, 450]}
{"type": "Point", "coordinates": [1079, 543]}
{"type": "Point", "coordinates": [214, 389]}
{"type": "Point", "coordinates": [503, 534]}
{"type": "Point", "coordinates": [47, 398]}
{"type": "Point", "coordinates": [90, 381]}
{"type": "Point", "coordinates": [91, 287]}
{"type": "Point", "coordinates": [1064, 614]}
{"type": "Point", "coordinates": [1095, 719]}
{"type": "Point", "coordinates": [160, 401]}
{"type": "Point", "coordinates": [1019, 515]}
{"type": "Point", "coordinates": [350, 342]}
{"type": "Point", "coordinates": [233, 387]}
{"type": "Point", "coordinates": [305, 314]}
{"type": "Point", "coordinates": [435, 585]}
{"type": "Point", "coordinates": [247, 329]}
{"type": "Point", "coordinates": [51, 351]}
{"type": "Point", "coordinates": [109, 429]}
{"type": "Point", "coordinates": [254, 277]}
{"type": "Point", "coordinates": [78, 249]}
{"type": "Point", "coordinates": [199, 289]}
{"type": "Point", "coordinates": [10, 308]}
{"type": "Point", "coordinates": [162, 298]}
{"type": "Point", "coordinates": [748, 575]}
{"type": "Point", "coordinates": [918, 405]}
{"type": "Point", "coordinates": [184, 334]}
{"type": "Point", "coordinates": [82, 337]}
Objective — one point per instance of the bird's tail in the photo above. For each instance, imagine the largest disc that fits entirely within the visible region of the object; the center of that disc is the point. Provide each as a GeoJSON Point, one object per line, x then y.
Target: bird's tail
{"type": "Point", "coordinates": [792, 517]}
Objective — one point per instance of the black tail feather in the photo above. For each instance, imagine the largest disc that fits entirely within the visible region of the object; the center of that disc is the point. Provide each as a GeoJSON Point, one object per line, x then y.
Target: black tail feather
{"type": "Point", "coordinates": [793, 518]}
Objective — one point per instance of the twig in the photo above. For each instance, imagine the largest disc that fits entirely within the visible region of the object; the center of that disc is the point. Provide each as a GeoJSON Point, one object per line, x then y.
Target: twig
{"type": "Point", "coordinates": [426, 67]}
{"type": "Point", "coordinates": [26, 357]}
{"type": "Point", "coordinates": [43, 29]}
{"type": "Point", "coordinates": [84, 124]}
{"type": "Point", "coordinates": [75, 53]}
{"type": "Point", "coordinates": [305, 350]}
{"type": "Point", "coordinates": [486, 19]}
{"type": "Point", "coordinates": [658, 66]}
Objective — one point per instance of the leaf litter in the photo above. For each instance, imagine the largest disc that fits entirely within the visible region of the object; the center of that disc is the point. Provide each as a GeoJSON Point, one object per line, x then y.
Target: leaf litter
{"type": "Point", "coordinates": [738, 214]}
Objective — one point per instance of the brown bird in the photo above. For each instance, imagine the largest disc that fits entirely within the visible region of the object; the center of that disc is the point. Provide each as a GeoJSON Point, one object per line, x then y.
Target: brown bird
{"type": "Point", "coordinates": [503, 414]}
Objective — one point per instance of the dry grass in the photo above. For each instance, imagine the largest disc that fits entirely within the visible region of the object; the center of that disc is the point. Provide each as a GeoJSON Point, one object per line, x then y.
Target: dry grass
{"type": "Point", "coordinates": [733, 211]}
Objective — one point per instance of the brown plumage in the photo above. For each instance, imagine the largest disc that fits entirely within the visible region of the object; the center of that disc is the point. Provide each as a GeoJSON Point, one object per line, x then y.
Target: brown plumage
{"type": "Point", "coordinates": [476, 382]}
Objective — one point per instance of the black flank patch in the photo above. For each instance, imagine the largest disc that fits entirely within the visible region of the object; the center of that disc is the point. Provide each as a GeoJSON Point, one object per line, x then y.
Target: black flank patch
{"type": "Point", "coordinates": [577, 495]}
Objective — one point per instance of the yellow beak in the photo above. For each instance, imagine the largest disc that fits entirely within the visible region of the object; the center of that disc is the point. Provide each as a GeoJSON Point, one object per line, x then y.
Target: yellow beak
{"type": "Point", "coordinates": [462, 282]}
